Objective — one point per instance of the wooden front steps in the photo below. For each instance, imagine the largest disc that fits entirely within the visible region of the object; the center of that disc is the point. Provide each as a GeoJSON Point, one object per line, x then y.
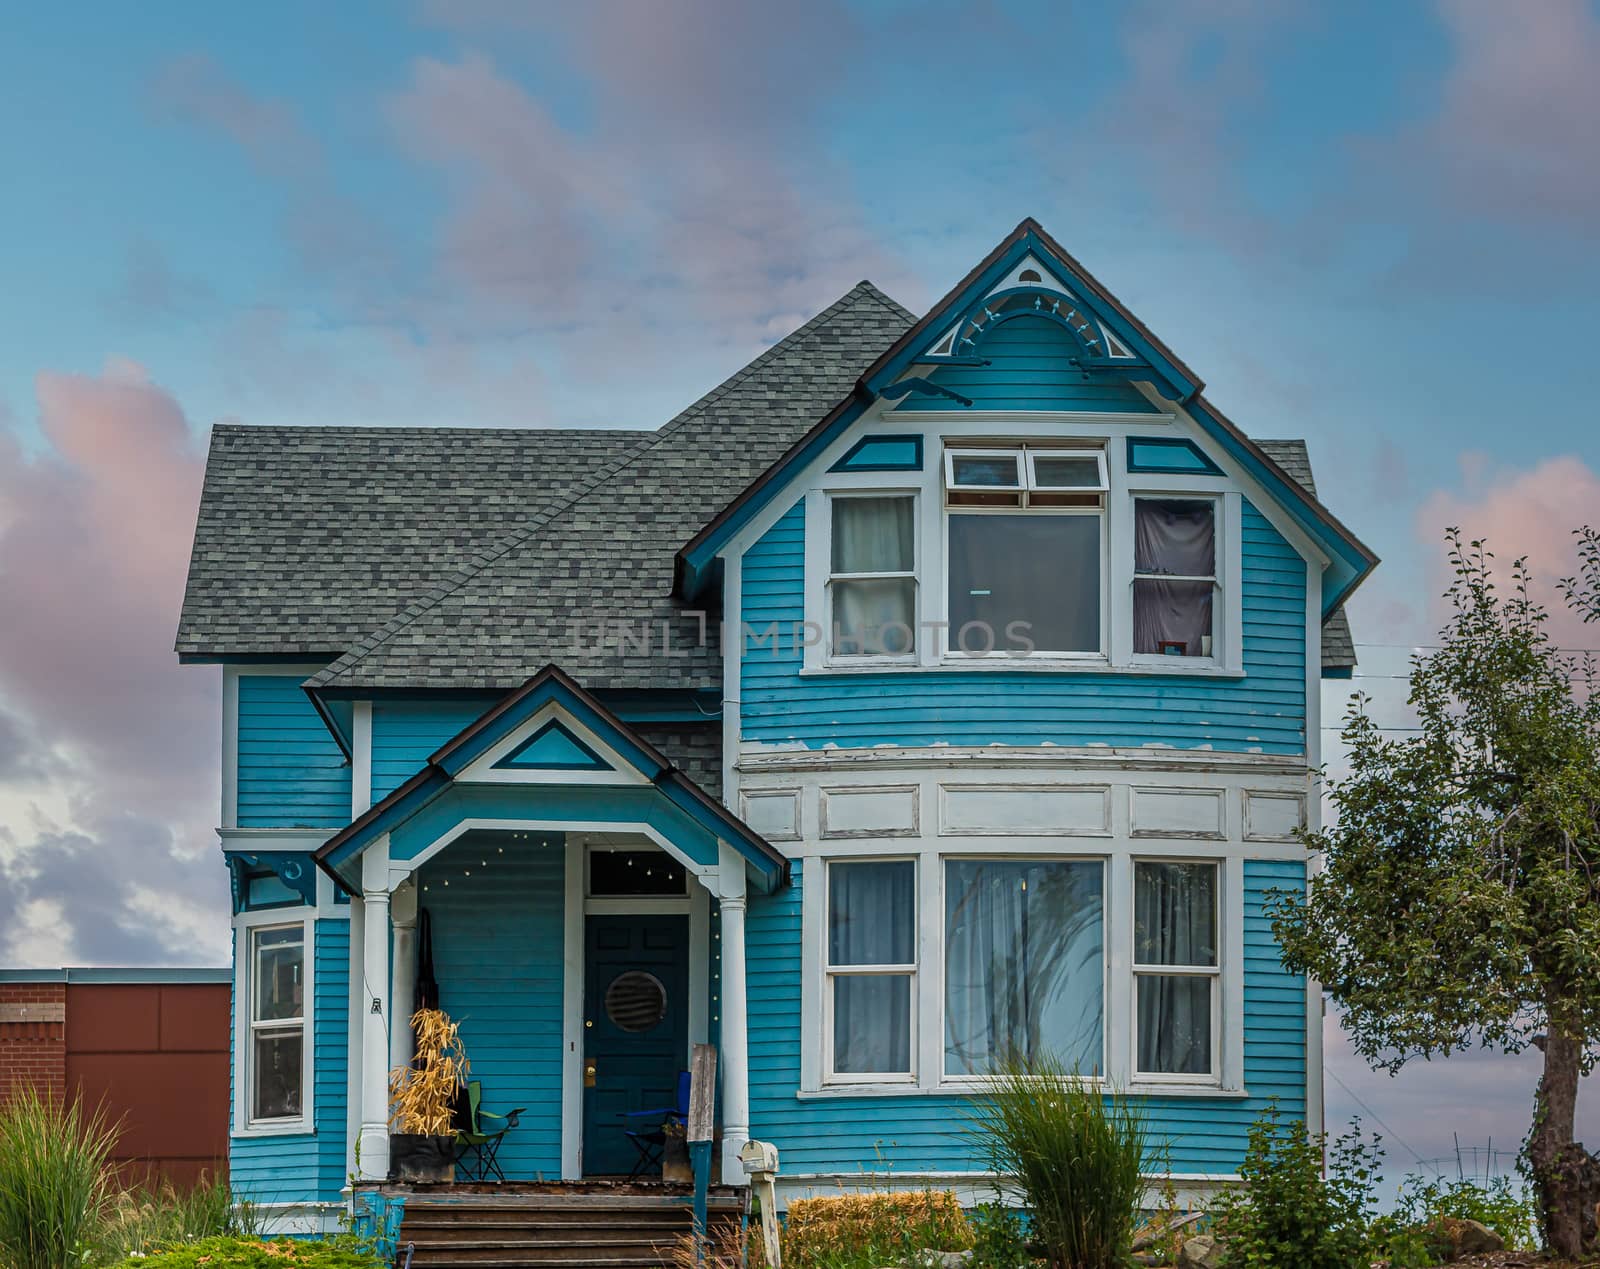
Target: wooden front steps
{"type": "Point", "coordinates": [589, 1225]}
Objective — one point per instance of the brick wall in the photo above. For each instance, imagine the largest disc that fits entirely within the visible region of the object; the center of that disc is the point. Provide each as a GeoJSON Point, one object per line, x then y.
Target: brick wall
{"type": "Point", "coordinates": [33, 1037]}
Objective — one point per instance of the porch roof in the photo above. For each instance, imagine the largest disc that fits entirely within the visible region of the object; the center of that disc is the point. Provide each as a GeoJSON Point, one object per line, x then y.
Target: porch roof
{"type": "Point", "coordinates": [648, 792]}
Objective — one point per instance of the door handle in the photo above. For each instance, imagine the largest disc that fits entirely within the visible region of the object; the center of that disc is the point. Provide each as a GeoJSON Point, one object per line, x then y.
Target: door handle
{"type": "Point", "coordinates": [589, 1069]}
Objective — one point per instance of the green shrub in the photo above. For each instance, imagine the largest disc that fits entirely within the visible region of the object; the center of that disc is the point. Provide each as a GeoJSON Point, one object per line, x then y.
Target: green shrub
{"type": "Point", "coordinates": [1415, 1233]}
{"type": "Point", "coordinates": [55, 1179]}
{"type": "Point", "coordinates": [230, 1252]}
{"type": "Point", "coordinates": [1076, 1153]}
{"type": "Point", "coordinates": [999, 1238]}
{"type": "Point", "coordinates": [146, 1215]}
{"type": "Point", "coordinates": [1285, 1215]}
{"type": "Point", "coordinates": [836, 1231]}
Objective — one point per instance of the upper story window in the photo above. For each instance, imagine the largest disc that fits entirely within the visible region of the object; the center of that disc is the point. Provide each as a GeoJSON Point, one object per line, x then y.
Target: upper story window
{"type": "Point", "coordinates": [872, 578]}
{"type": "Point", "coordinates": [1025, 542]}
{"type": "Point", "coordinates": [1174, 575]}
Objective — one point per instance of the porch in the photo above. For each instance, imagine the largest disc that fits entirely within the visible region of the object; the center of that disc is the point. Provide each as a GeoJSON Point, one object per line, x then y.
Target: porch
{"type": "Point", "coordinates": [582, 909]}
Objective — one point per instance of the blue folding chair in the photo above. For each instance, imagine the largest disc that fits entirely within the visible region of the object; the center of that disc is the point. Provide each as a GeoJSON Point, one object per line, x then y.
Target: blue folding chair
{"type": "Point", "coordinates": [650, 1145]}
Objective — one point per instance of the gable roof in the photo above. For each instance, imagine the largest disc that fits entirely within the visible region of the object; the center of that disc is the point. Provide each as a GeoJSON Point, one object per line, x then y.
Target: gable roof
{"type": "Point", "coordinates": [605, 556]}
{"type": "Point", "coordinates": [1338, 645]}
{"type": "Point", "coordinates": [309, 538]}
{"type": "Point", "coordinates": [551, 685]}
{"type": "Point", "coordinates": [1351, 560]}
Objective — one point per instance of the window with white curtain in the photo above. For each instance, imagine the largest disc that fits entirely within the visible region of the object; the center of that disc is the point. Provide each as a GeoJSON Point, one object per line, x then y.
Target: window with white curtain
{"type": "Point", "coordinates": [872, 580]}
{"type": "Point", "coordinates": [871, 967]}
{"type": "Point", "coordinates": [276, 1055]}
{"type": "Point", "coordinates": [1176, 970]}
{"type": "Point", "coordinates": [1174, 576]}
{"type": "Point", "coordinates": [1024, 963]}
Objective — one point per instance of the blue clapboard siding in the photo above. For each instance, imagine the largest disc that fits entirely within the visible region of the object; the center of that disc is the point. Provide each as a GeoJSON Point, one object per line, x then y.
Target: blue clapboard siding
{"type": "Point", "coordinates": [918, 1133]}
{"type": "Point", "coordinates": [307, 1167]}
{"type": "Point", "coordinates": [405, 733]}
{"type": "Point", "coordinates": [291, 773]}
{"type": "Point", "coordinates": [1028, 370]}
{"type": "Point", "coordinates": [1264, 712]}
{"type": "Point", "coordinates": [497, 953]}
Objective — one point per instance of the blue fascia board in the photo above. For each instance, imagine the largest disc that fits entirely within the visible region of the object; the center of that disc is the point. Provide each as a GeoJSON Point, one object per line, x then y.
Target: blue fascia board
{"type": "Point", "coordinates": [1180, 385]}
{"type": "Point", "coordinates": [1338, 672]}
{"type": "Point", "coordinates": [427, 785]}
{"type": "Point", "coordinates": [461, 757]}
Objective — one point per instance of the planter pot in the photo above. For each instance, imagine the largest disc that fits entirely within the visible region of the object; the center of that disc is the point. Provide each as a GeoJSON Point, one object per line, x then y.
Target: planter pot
{"type": "Point", "coordinates": [418, 1158]}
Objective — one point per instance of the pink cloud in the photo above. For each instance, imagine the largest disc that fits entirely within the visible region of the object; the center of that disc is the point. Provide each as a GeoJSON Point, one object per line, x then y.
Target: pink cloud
{"type": "Point", "coordinates": [1531, 513]}
{"type": "Point", "coordinates": [95, 529]}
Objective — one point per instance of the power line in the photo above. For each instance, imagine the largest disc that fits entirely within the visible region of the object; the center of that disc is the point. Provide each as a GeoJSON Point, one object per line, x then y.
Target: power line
{"type": "Point", "coordinates": [1378, 1119]}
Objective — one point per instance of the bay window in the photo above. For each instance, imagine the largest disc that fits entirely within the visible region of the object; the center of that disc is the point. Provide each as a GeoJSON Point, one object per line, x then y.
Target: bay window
{"type": "Point", "coordinates": [872, 580]}
{"type": "Point", "coordinates": [1174, 576]}
{"type": "Point", "coordinates": [871, 967]}
{"type": "Point", "coordinates": [1024, 544]}
{"type": "Point", "coordinates": [1176, 971]}
{"type": "Point", "coordinates": [1024, 963]}
{"type": "Point", "coordinates": [275, 1057]}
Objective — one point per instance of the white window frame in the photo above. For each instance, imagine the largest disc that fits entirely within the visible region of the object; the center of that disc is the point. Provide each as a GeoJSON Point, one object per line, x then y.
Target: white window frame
{"type": "Point", "coordinates": [831, 972]}
{"type": "Point", "coordinates": [1035, 452]}
{"type": "Point", "coordinates": [247, 925]}
{"type": "Point", "coordinates": [956, 1083]}
{"type": "Point", "coordinates": [1138, 969]}
{"type": "Point", "coordinates": [1013, 452]}
{"type": "Point", "coordinates": [1219, 596]}
{"type": "Point", "coordinates": [914, 574]}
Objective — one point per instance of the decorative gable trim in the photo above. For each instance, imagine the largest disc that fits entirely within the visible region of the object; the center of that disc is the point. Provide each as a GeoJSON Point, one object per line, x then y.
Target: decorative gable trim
{"type": "Point", "coordinates": [553, 748]}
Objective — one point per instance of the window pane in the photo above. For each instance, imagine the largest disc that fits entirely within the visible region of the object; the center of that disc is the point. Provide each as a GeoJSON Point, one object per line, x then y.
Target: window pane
{"type": "Point", "coordinates": [872, 913]}
{"type": "Point", "coordinates": [1174, 536]}
{"type": "Point", "coordinates": [1175, 1024]}
{"type": "Point", "coordinates": [1175, 914]}
{"type": "Point", "coordinates": [1043, 570]}
{"type": "Point", "coordinates": [1065, 473]}
{"type": "Point", "coordinates": [1024, 963]}
{"type": "Point", "coordinates": [988, 471]}
{"type": "Point", "coordinates": [873, 535]}
{"type": "Point", "coordinates": [874, 617]}
{"type": "Point", "coordinates": [277, 1073]}
{"type": "Point", "coordinates": [280, 960]}
{"type": "Point", "coordinates": [1172, 618]}
{"type": "Point", "coordinates": [872, 1024]}
{"type": "Point", "coordinates": [629, 872]}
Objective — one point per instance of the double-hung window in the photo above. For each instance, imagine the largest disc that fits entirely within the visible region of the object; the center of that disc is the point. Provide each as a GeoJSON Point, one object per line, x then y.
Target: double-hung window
{"type": "Point", "coordinates": [1024, 963]}
{"type": "Point", "coordinates": [1174, 576]}
{"type": "Point", "coordinates": [871, 969]}
{"type": "Point", "coordinates": [1177, 978]}
{"type": "Point", "coordinates": [276, 1054]}
{"type": "Point", "coordinates": [872, 578]}
{"type": "Point", "coordinates": [1025, 529]}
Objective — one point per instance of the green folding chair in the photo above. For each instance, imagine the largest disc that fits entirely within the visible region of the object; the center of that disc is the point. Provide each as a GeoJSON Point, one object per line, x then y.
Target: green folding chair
{"type": "Point", "coordinates": [478, 1148]}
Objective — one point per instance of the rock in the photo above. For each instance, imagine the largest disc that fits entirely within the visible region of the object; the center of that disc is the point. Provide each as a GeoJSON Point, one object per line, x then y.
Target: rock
{"type": "Point", "coordinates": [931, 1259]}
{"type": "Point", "coordinates": [1468, 1237]}
{"type": "Point", "coordinates": [1203, 1251]}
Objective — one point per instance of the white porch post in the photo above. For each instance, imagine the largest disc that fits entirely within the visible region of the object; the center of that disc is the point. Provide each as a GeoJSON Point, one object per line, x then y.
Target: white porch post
{"type": "Point", "coordinates": [735, 1038]}
{"type": "Point", "coordinates": [403, 916]}
{"type": "Point", "coordinates": [374, 1144]}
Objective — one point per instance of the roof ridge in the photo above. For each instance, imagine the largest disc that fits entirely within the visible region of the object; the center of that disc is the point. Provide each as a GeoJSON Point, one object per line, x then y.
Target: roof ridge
{"type": "Point", "coordinates": [423, 429]}
{"type": "Point", "coordinates": [483, 558]}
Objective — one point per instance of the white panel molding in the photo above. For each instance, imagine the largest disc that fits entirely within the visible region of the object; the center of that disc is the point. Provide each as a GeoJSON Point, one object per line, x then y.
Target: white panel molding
{"type": "Point", "coordinates": [1179, 813]}
{"type": "Point", "coordinates": [1025, 810]}
{"type": "Point", "coordinates": [774, 813]}
{"type": "Point", "coordinates": [1272, 816]}
{"type": "Point", "coordinates": [883, 811]}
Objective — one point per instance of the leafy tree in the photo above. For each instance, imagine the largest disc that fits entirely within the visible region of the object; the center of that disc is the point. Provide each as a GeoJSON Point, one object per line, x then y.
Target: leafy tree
{"type": "Point", "coordinates": [1460, 901]}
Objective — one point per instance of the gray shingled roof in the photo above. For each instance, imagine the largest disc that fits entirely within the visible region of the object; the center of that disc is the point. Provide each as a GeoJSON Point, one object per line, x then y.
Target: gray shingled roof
{"type": "Point", "coordinates": [310, 537]}
{"type": "Point", "coordinates": [554, 590]}
{"type": "Point", "coordinates": [1338, 645]}
{"type": "Point", "coordinates": [469, 557]}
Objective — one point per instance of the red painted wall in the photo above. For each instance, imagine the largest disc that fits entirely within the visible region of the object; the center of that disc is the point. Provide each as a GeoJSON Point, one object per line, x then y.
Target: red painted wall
{"type": "Point", "coordinates": [155, 1054]}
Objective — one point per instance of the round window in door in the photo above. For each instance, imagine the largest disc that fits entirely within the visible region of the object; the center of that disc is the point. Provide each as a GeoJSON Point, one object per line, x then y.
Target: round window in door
{"type": "Point", "coordinates": [636, 1001]}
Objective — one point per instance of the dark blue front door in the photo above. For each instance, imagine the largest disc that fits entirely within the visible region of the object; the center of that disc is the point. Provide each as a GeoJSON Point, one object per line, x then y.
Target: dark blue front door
{"type": "Point", "coordinates": [635, 1027]}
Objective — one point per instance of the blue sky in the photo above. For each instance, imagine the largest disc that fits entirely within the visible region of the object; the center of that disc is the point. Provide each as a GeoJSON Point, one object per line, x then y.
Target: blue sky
{"type": "Point", "coordinates": [1372, 225]}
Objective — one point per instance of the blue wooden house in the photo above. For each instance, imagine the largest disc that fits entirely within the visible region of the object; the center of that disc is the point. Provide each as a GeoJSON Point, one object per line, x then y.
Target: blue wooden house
{"type": "Point", "coordinates": [931, 689]}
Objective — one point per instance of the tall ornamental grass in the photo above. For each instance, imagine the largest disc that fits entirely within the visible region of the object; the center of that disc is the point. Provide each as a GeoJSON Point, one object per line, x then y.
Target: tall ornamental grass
{"type": "Point", "coordinates": [55, 1179]}
{"type": "Point", "coordinates": [1076, 1153]}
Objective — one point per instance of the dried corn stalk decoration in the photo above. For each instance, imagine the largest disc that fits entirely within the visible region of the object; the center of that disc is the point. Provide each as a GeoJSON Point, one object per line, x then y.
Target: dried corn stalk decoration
{"type": "Point", "coordinates": [423, 1094]}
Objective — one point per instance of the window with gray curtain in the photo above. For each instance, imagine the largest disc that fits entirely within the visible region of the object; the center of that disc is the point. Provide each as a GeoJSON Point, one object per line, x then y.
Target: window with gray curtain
{"type": "Point", "coordinates": [1024, 963]}
{"type": "Point", "coordinates": [1175, 575]}
{"type": "Point", "coordinates": [872, 953]}
{"type": "Point", "coordinates": [1036, 568]}
{"type": "Point", "coordinates": [872, 577]}
{"type": "Point", "coordinates": [1176, 970]}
